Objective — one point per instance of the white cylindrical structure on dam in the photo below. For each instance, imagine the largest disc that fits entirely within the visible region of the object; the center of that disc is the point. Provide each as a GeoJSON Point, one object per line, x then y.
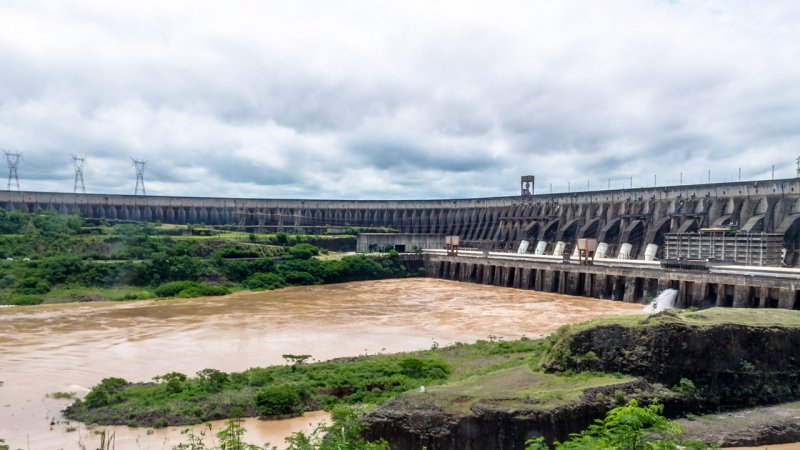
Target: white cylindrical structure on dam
{"type": "Point", "coordinates": [523, 247]}
{"type": "Point", "coordinates": [650, 252]}
{"type": "Point", "coordinates": [559, 250]}
{"type": "Point", "coordinates": [541, 246]}
{"type": "Point", "coordinates": [625, 251]}
{"type": "Point", "coordinates": [602, 249]}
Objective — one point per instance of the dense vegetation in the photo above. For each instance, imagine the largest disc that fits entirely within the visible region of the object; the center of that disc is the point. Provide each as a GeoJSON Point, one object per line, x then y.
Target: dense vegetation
{"type": "Point", "coordinates": [53, 257]}
{"type": "Point", "coordinates": [290, 389]}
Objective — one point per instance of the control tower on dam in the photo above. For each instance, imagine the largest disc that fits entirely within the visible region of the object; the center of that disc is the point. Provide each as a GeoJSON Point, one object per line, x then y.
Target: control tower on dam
{"type": "Point", "coordinates": [626, 220]}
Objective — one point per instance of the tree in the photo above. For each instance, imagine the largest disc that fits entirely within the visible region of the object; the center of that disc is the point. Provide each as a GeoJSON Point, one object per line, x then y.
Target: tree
{"type": "Point", "coordinates": [628, 427]}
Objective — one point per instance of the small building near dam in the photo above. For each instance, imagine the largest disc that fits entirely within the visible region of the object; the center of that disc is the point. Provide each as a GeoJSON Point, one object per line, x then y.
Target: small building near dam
{"type": "Point", "coordinates": [401, 242]}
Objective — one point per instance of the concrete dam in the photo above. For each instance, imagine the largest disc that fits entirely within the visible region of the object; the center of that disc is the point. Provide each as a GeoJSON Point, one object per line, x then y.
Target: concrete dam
{"type": "Point", "coordinates": [625, 219]}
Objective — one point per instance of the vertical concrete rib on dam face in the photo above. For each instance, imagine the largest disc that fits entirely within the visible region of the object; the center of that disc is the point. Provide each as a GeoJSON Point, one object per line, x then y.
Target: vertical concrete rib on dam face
{"type": "Point", "coordinates": [634, 216]}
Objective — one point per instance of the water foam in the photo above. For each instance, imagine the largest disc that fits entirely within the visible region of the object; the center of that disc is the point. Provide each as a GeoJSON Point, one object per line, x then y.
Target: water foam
{"type": "Point", "coordinates": [665, 300]}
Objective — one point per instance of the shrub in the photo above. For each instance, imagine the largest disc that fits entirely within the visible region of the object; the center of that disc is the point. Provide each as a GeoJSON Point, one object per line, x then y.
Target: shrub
{"type": "Point", "coordinates": [203, 290]}
{"type": "Point", "coordinates": [173, 288]}
{"type": "Point", "coordinates": [303, 251]}
{"type": "Point", "coordinates": [424, 368]}
{"type": "Point", "coordinates": [186, 289]}
{"type": "Point", "coordinates": [295, 277]}
{"type": "Point", "coordinates": [278, 400]}
{"type": "Point", "coordinates": [630, 427]}
{"type": "Point", "coordinates": [32, 285]}
{"type": "Point", "coordinates": [281, 237]}
{"type": "Point", "coordinates": [173, 381]}
{"type": "Point", "coordinates": [685, 386]}
{"type": "Point", "coordinates": [108, 392]}
{"type": "Point", "coordinates": [212, 380]}
{"type": "Point", "coordinates": [265, 281]}
{"type": "Point", "coordinates": [25, 300]}
{"type": "Point", "coordinates": [160, 423]}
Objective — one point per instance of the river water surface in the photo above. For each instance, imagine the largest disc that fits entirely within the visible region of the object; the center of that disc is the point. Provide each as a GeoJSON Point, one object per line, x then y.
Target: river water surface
{"type": "Point", "coordinates": [71, 347]}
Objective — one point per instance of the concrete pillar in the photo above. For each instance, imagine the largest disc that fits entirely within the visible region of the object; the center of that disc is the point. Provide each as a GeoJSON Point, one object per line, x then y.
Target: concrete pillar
{"type": "Point", "coordinates": [433, 269]}
{"type": "Point", "coordinates": [763, 297]}
{"type": "Point", "coordinates": [630, 291]}
{"type": "Point", "coordinates": [547, 280]}
{"type": "Point", "coordinates": [740, 296]}
{"type": "Point", "coordinates": [588, 285]}
{"type": "Point", "coordinates": [720, 301]}
{"type": "Point", "coordinates": [538, 283]}
{"type": "Point", "coordinates": [699, 294]}
{"type": "Point", "coordinates": [786, 298]}
{"type": "Point", "coordinates": [562, 282]}
{"type": "Point", "coordinates": [487, 274]}
{"type": "Point", "coordinates": [505, 281]}
{"type": "Point", "coordinates": [598, 287]}
{"type": "Point", "coordinates": [525, 279]}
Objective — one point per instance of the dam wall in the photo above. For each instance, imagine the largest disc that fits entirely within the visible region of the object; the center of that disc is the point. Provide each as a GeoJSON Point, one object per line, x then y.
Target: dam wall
{"type": "Point", "coordinates": [637, 217]}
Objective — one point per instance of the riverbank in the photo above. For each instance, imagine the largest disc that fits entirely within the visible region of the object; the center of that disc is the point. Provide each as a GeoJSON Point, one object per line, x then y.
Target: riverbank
{"type": "Point", "coordinates": [511, 390]}
{"type": "Point", "coordinates": [47, 257]}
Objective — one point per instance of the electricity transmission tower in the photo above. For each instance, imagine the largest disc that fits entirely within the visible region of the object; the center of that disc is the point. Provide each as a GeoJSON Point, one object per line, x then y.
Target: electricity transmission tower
{"type": "Point", "coordinates": [140, 166]}
{"type": "Point", "coordinates": [78, 162]}
{"type": "Point", "coordinates": [13, 160]}
{"type": "Point", "coordinates": [798, 167]}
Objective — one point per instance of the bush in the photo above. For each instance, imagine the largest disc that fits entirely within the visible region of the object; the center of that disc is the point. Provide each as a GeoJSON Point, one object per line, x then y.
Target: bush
{"type": "Point", "coordinates": [300, 278]}
{"type": "Point", "coordinates": [187, 289]}
{"type": "Point", "coordinates": [173, 381]}
{"type": "Point", "coordinates": [173, 288]}
{"type": "Point", "coordinates": [425, 368]}
{"type": "Point", "coordinates": [303, 251]}
{"type": "Point", "coordinates": [265, 281]}
{"type": "Point", "coordinates": [629, 427]}
{"type": "Point", "coordinates": [278, 400]}
{"type": "Point", "coordinates": [281, 237]}
{"type": "Point", "coordinates": [212, 380]}
{"type": "Point", "coordinates": [108, 392]}
{"type": "Point", "coordinates": [32, 285]}
{"type": "Point", "coordinates": [685, 386]}
{"type": "Point", "coordinates": [25, 300]}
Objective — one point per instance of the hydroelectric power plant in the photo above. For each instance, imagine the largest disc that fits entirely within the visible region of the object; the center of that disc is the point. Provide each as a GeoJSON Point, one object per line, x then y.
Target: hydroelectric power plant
{"type": "Point", "coordinates": [726, 244]}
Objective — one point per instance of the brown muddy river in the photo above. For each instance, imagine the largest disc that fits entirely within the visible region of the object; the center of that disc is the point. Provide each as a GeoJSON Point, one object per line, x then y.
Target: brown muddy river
{"type": "Point", "coordinates": [71, 347]}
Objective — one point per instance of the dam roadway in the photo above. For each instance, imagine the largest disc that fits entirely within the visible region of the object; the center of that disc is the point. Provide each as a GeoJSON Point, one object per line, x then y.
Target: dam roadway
{"type": "Point", "coordinates": [634, 216]}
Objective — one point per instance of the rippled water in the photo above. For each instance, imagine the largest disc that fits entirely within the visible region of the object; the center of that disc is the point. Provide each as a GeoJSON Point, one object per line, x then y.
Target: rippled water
{"type": "Point", "coordinates": [71, 347]}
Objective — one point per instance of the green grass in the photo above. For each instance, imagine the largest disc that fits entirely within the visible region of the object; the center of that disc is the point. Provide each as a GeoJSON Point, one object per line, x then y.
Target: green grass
{"type": "Point", "coordinates": [713, 316]}
{"type": "Point", "coordinates": [66, 294]}
{"type": "Point", "coordinates": [519, 387]}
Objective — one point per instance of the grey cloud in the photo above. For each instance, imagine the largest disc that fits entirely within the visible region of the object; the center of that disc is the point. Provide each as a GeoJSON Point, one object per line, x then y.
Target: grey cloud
{"type": "Point", "coordinates": [394, 101]}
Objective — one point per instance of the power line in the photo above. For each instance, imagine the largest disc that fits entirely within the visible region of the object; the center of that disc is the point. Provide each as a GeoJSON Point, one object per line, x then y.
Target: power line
{"type": "Point", "coordinates": [140, 166]}
{"type": "Point", "coordinates": [79, 162]}
{"type": "Point", "coordinates": [13, 160]}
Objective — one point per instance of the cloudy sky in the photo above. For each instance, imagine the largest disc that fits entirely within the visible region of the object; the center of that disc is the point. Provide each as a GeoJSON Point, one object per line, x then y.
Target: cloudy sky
{"type": "Point", "coordinates": [402, 99]}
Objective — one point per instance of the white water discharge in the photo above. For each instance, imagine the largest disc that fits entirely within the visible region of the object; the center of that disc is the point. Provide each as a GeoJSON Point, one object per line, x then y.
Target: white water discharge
{"type": "Point", "coordinates": [665, 300]}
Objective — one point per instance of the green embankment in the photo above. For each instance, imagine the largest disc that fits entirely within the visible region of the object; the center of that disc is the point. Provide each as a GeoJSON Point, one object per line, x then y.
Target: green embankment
{"type": "Point", "coordinates": [47, 257]}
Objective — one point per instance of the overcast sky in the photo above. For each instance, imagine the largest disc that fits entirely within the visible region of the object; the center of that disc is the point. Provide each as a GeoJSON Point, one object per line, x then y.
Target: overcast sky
{"type": "Point", "coordinates": [402, 99]}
